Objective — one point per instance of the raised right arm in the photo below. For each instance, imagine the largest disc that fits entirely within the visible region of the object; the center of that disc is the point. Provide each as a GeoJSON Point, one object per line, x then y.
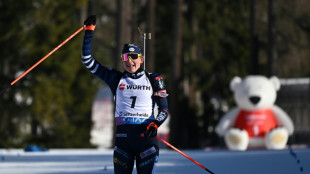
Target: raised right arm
{"type": "Point", "coordinates": [108, 75]}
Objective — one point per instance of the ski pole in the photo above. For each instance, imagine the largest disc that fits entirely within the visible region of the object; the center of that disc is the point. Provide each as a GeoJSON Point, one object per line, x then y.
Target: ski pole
{"type": "Point", "coordinates": [145, 36]}
{"type": "Point", "coordinates": [174, 148]}
{"type": "Point", "coordinates": [55, 49]}
{"type": "Point", "coordinates": [42, 59]}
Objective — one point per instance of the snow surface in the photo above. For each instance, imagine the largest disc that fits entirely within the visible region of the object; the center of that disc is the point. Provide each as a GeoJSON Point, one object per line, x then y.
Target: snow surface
{"type": "Point", "coordinates": [96, 161]}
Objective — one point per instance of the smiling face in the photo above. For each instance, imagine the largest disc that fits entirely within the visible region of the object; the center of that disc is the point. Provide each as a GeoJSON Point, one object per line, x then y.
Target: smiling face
{"type": "Point", "coordinates": [132, 66]}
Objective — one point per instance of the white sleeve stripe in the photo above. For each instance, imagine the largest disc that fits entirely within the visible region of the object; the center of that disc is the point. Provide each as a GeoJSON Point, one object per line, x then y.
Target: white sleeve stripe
{"type": "Point", "coordinates": [94, 70]}
{"type": "Point", "coordinates": [86, 57]}
{"type": "Point", "coordinates": [86, 61]}
{"type": "Point", "coordinates": [91, 64]}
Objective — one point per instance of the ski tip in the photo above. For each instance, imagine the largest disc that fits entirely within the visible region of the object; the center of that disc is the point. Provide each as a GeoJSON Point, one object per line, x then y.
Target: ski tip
{"type": "Point", "coordinates": [209, 171]}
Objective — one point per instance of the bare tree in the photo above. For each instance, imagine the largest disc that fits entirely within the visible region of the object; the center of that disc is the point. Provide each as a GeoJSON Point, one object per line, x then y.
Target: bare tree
{"type": "Point", "coordinates": [123, 28]}
{"type": "Point", "coordinates": [176, 71]}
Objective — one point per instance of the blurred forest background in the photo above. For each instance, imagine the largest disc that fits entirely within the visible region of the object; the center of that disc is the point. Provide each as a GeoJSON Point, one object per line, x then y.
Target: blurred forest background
{"type": "Point", "coordinates": [197, 45]}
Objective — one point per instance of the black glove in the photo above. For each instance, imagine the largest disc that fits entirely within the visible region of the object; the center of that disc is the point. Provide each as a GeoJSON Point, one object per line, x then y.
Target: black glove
{"type": "Point", "coordinates": [151, 130]}
{"type": "Point", "coordinates": [91, 20]}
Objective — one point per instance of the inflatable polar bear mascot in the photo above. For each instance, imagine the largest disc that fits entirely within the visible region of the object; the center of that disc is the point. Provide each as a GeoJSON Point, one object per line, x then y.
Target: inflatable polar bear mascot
{"type": "Point", "coordinates": [256, 121]}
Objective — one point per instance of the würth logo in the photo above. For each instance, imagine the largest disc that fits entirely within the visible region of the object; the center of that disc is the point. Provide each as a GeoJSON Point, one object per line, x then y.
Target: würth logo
{"type": "Point", "coordinates": [122, 86]}
{"type": "Point", "coordinates": [138, 87]}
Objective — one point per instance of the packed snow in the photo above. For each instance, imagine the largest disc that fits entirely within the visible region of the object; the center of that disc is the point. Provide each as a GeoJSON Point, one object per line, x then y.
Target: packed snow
{"type": "Point", "coordinates": [98, 161]}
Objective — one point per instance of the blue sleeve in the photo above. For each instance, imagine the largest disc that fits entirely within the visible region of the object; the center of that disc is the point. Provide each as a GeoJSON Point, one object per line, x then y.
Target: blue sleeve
{"type": "Point", "coordinates": [108, 75]}
{"type": "Point", "coordinates": [160, 96]}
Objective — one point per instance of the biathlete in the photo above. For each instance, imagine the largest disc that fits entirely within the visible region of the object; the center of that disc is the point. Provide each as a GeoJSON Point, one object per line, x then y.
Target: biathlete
{"type": "Point", "coordinates": [135, 92]}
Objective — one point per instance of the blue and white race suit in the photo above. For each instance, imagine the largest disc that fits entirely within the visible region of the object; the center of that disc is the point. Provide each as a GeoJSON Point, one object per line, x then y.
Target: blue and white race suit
{"type": "Point", "coordinates": [135, 97]}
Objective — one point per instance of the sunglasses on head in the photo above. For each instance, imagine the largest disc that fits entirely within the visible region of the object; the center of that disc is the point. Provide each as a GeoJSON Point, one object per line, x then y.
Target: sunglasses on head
{"type": "Point", "coordinates": [132, 56]}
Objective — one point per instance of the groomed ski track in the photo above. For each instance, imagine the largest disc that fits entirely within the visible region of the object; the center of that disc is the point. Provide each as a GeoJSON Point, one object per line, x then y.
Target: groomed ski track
{"type": "Point", "coordinates": [96, 161]}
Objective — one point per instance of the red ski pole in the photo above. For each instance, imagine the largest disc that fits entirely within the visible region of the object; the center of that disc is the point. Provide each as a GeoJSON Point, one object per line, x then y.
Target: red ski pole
{"type": "Point", "coordinates": [174, 148]}
{"type": "Point", "coordinates": [42, 59]}
{"type": "Point", "coordinates": [55, 49]}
